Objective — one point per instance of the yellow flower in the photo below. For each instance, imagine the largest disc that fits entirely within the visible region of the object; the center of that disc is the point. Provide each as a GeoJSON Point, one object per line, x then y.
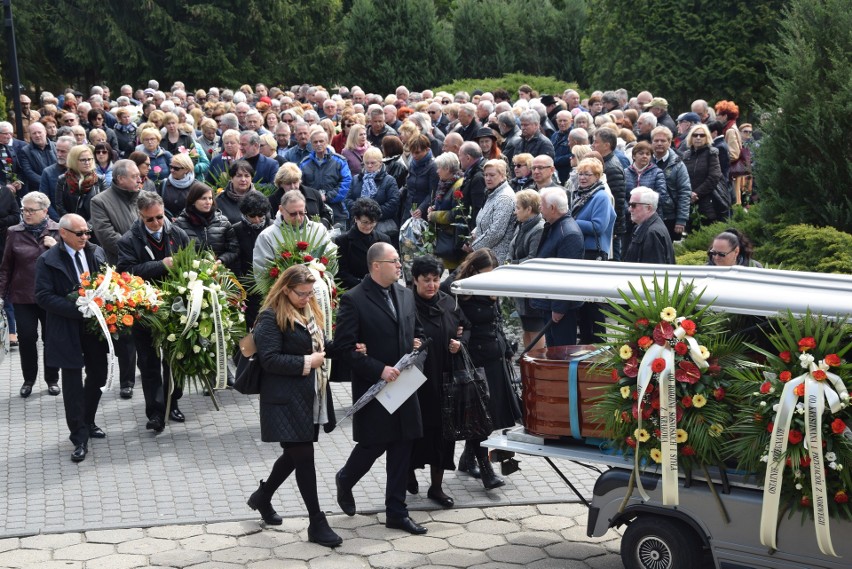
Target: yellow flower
{"type": "Point", "coordinates": [641, 435]}
{"type": "Point", "coordinates": [716, 430]}
{"type": "Point", "coordinates": [705, 353]}
{"type": "Point", "coordinates": [656, 455]}
{"type": "Point", "coordinates": [699, 401]}
{"type": "Point", "coordinates": [625, 391]}
{"type": "Point", "coordinates": [668, 314]}
{"type": "Point", "coordinates": [682, 436]}
{"type": "Point", "coordinates": [625, 352]}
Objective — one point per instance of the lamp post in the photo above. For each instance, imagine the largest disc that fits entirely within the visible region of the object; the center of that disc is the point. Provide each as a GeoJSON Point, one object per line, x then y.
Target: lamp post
{"type": "Point", "coordinates": [13, 67]}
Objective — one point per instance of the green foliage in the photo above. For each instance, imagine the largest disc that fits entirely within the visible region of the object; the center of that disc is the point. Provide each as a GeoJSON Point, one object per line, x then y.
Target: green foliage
{"type": "Point", "coordinates": [749, 222]}
{"type": "Point", "coordinates": [510, 82]}
{"type": "Point", "coordinates": [808, 147]}
{"type": "Point", "coordinates": [692, 258]}
{"type": "Point", "coordinates": [682, 50]}
{"type": "Point", "coordinates": [395, 42]}
{"type": "Point", "coordinates": [808, 248]}
{"type": "Point", "coordinates": [528, 36]}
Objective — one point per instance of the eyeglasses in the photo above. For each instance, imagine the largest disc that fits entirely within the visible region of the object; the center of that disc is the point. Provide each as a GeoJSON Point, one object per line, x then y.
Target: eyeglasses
{"type": "Point", "coordinates": [101, 152]}
{"type": "Point", "coordinates": [87, 232]}
{"type": "Point", "coordinates": [85, 160]}
{"type": "Point", "coordinates": [176, 168]}
{"type": "Point", "coordinates": [699, 135]}
{"type": "Point", "coordinates": [711, 253]}
{"type": "Point", "coordinates": [68, 121]}
{"type": "Point", "coordinates": [585, 174]}
{"type": "Point", "coordinates": [394, 261]}
{"type": "Point", "coordinates": [28, 211]}
{"type": "Point", "coordinates": [541, 167]}
{"type": "Point", "coordinates": [518, 165]}
{"type": "Point", "coordinates": [153, 218]}
{"type": "Point", "coordinates": [634, 205]}
{"type": "Point", "coordinates": [296, 213]}
{"type": "Point", "coordinates": [302, 295]}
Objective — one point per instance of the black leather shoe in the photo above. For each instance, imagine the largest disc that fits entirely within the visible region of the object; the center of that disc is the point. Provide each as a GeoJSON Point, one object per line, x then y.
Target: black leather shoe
{"type": "Point", "coordinates": [176, 415]}
{"type": "Point", "coordinates": [405, 524]}
{"type": "Point", "coordinates": [26, 390]}
{"type": "Point", "coordinates": [126, 393]}
{"type": "Point", "coordinates": [79, 454]}
{"type": "Point", "coordinates": [53, 389]}
{"type": "Point", "coordinates": [441, 499]}
{"type": "Point", "coordinates": [95, 432]}
{"type": "Point", "coordinates": [155, 424]}
{"type": "Point", "coordinates": [345, 499]}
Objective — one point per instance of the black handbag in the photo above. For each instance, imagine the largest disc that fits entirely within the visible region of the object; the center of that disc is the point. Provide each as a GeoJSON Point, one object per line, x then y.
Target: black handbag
{"type": "Point", "coordinates": [449, 240]}
{"type": "Point", "coordinates": [464, 405]}
{"type": "Point", "coordinates": [249, 372]}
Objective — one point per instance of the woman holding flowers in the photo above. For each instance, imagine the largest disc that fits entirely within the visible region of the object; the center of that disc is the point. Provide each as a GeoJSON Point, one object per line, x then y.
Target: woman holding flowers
{"type": "Point", "coordinates": [160, 159]}
{"type": "Point", "coordinates": [207, 227]}
{"type": "Point", "coordinates": [294, 394]}
{"type": "Point", "coordinates": [447, 204]}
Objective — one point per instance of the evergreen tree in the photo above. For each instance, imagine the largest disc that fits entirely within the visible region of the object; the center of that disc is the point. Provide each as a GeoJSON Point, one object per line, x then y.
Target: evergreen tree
{"type": "Point", "coordinates": [680, 50]}
{"type": "Point", "coordinates": [805, 159]}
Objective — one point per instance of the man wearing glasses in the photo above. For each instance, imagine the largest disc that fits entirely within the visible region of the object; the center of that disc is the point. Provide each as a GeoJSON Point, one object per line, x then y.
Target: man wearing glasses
{"type": "Point", "coordinates": [146, 251]}
{"type": "Point", "coordinates": [69, 345]}
{"type": "Point", "coordinates": [292, 217]}
{"type": "Point", "coordinates": [651, 242]}
{"type": "Point", "coordinates": [439, 119]}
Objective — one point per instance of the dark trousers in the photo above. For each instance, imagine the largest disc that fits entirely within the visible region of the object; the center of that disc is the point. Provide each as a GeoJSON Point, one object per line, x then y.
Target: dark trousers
{"type": "Point", "coordinates": [28, 317]}
{"type": "Point", "coordinates": [564, 332]}
{"type": "Point", "coordinates": [397, 461]}
{"type": "Point", "coordinates": [590, 319]}
{"type": "Point", "coordinates": [81, 401]}
{"type": "Point", "coordinates": [155, 374]}
{"type": "Point", "coordinates": [125, 351]}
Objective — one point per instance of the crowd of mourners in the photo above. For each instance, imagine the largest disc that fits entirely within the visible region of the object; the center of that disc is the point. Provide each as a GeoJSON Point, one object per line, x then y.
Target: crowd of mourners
{"type": "Point", "coordinates": [127, 180]}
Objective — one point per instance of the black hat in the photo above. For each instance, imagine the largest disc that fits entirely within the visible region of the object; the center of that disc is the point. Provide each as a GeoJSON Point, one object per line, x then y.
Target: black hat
{"type": "Point", "coordinates": [548, 100]}
{"type": "Point", "coordinates": [485, 132]}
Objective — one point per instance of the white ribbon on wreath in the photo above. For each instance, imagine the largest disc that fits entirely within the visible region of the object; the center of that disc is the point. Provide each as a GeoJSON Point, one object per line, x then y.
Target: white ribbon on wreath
{"type": "Point", "coordinates": [668, 409]}
{"type": "Point", "coordinates": [196, 291]}
{"type": "Point", "coordinates": [830, 390]}
{"type": "Point", "coordinates": [90, 309]}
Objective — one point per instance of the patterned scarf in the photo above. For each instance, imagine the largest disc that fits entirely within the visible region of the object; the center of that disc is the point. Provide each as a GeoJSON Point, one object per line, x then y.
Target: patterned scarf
{"type": "Point", "coordinates": [125, 128]}
{"type": "Point", "coordinates": [77, 186]}
{"type": "Point", "coordinates": [582, 196]}
{"type": "Point", "coordinates": [369, 188]}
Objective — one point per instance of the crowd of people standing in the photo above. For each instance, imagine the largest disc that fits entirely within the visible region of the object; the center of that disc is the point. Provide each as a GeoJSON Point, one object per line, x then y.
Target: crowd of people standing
{"type": "Point", "coordinates": [129, 182]}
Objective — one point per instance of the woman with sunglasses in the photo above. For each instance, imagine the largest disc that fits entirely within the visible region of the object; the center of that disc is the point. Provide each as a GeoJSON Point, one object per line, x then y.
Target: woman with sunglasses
{"type": "Point", "coordinates": [143, 162]}
{"type": "Point", "coordinates": [104, 160]}
{"type": "Point", "coordinates": [79, 184]}
{"type": "Point", "coordinates": [294, 396]}
{"type": "Point", "coordinates": [175, 188]}
{"type": "Point", "coordinates": [522, 172]}
{"type": "Point", "coordinates": [732, 247]}
{"type": "Point", "coordinates": [702, 165]}
{"type": "Point", "coordinates": [347, 121]}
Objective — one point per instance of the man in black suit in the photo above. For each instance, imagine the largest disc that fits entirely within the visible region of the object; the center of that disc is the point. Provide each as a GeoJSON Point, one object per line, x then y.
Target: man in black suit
{"type": "Point", "coordinates": [69, 345]}
{"type": "Point", "coordinates": [380, 313]}
{"type": "Point", "coordinates": [11, 175]}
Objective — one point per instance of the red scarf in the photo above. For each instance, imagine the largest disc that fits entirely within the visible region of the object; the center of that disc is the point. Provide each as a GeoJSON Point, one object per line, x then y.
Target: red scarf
{"type": "Point", "coordinates": [74, 182]}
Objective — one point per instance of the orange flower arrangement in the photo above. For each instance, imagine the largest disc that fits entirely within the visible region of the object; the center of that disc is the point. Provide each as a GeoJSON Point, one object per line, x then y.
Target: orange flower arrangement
{"type": "Point", "coordinates": [119, 298]}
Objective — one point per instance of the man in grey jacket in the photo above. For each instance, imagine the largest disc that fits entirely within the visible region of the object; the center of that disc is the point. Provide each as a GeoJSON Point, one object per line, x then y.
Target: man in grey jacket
{"type": "Point", "coordinates": [113, 213]}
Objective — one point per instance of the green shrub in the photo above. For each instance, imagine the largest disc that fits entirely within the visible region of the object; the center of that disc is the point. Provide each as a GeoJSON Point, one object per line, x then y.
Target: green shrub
{"type": "Point", "coordinates": [510, 82]}
{"type": "Point", "coordinates": [748, 222]}
{"type": "Point", "coordinates": [808, 248]}
{"type": "Point", "coordinates": [692, 258]}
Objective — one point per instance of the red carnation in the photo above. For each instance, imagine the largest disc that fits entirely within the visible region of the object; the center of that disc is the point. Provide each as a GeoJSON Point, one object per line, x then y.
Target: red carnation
{"type": "Point", "coordinates": [805, 461]}
{"type": "Point", "coordinates": [641, 323]}
{"type": "Point", "coordinates": [765, 387]}
{"type": "Point", "coordinates": [631, 442]}
{"type": "Point", "coordinates": [714, 369]}
{"type": "Point", "coordinates": [655, 404]}
{"type": "Point", "coordinates": [658, 365]}
{"type": "Point", "coordinates": [805, 502]}
{"type": "Point", "coordinates": [324, 260]}
{"type": "Point", "coordinates": [795, 436]}
{"type": "Point", "coordinates": [647, 411]}
{"type": "Point", "coordinates": [458, 194]}
{"type": "Point", "coordinates": [308, 258]}
{"type": "Point", "coordinates": [785, 357]}
{"type": "Point", "coordinates": [302, 245]}
{"type": "Point", "coordinates": [614, 374]}
{"type": "Point", "coordinates": [770, 427]}
{"type": "Point", "coordinates": [645, 342]}
{"type": "Point", "coordinates": [819, 375]}
{"type": "Point", "coordinates": [8, 160]}
{"type": "Point", "coordinates": [286, 254]}
{"type": "Point", "coordinates": [719, 393]}
{"type": "Point", "coordinates": [688, 327]}
{"type": "Point", "coordinates": [807, 343]}
{"type": "Point", "coordinates": [838, 426]}
{"type": "Point", "coordinates": [681, 349]}
{"type": "Point", "coordinates": [687, 450]}
{"type": "Point", "coordinates": [841, 497]}
{"type": "Point", "coordinates": [833, 360]}
{"type": "Point", "coordinates": [785, 376]}
{"type": "Point", "coordinates": [800, 390]}
{"type": "Point", "coordinates": [273, 272]}
{"type": "Point", "coordinates": [686, 401]}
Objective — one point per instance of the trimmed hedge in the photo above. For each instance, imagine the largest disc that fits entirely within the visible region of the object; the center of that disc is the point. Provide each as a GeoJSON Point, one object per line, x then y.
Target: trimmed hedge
{"type": "Point", "coordinates": [510, 82]}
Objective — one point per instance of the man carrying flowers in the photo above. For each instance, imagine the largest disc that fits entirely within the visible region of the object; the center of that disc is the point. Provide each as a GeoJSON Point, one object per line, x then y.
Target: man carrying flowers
{"type": "Point", "coordinates": [146, 251]}
{"type": "Point", "coordinates": [69, 345]}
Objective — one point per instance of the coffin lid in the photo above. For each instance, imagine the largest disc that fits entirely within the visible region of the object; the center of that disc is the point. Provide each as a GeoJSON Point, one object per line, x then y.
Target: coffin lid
{"type": "Point", "coordinates": [741, 290]}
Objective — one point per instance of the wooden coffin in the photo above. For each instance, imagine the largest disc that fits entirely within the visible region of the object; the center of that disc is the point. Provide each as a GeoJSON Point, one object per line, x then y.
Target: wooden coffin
{"type": "Point", "coordinates": [550, 411]}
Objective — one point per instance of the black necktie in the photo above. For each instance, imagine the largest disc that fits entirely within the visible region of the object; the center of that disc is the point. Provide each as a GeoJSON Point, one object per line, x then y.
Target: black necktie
{"type": "Point", "coordinates": [389, 300]}
{"type": "Point", "coordinates": [79, 262]}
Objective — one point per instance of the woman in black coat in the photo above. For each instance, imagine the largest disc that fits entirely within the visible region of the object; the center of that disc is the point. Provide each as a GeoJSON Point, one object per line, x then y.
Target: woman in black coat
{"type": "Point", "coordinates": [442, 322]}
{"type": "Point", "coordinates": [702, 164]}
{"type": "Point", "coordinates": [79, 184]}
{"type": "Point", "coordinates": [208, 227]}
{"type": "Point", "coordinates": [375, 183]}
{"type": "Point", "coordinates": [352, 246]}
{"type": "Point", "coordinates": [255, 209]}
{"type": "Point", "coordinates": [487, 350]}
{"type": "Point", "coordinates": [293, 394]}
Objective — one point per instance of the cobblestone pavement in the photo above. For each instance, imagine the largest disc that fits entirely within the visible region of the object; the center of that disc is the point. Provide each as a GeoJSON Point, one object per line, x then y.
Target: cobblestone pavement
{"type": "Point", "coordinates": [190, 484]}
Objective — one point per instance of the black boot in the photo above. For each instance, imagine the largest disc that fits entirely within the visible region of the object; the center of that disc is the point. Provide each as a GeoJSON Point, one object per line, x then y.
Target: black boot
{"type": "Point", "coordinates": [320, 533]}
{"type": "Point", "coordinates": [467, 460]}
{"type": "Point", "coordinates": [261, 501]}
{"type": "Point", "coordinates": [489, 479]}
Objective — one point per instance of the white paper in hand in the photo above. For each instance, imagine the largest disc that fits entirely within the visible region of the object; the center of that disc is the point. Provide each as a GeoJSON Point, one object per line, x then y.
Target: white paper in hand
{"type": "Point", "coordinates": [395, 393]}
